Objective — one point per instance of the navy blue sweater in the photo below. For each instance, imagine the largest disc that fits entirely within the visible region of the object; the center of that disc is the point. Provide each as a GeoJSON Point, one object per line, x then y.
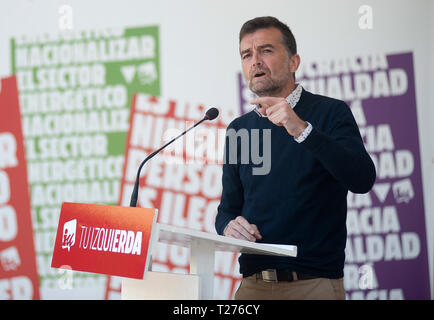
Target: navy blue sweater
{"type": "Point", "coordinates": [302, 200]}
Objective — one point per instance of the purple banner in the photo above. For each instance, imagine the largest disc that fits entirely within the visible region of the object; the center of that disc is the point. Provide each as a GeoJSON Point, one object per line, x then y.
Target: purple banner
{"type": "Point", "coordinates": [386, 252]}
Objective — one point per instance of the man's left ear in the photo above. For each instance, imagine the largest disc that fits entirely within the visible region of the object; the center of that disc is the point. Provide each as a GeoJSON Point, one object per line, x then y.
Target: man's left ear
{"type": "Point", "coordinates": [294, 62]}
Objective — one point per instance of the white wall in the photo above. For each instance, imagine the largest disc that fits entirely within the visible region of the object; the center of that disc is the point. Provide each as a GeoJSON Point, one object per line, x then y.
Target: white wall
{"type": "Point", "coordinates": [199, 45]}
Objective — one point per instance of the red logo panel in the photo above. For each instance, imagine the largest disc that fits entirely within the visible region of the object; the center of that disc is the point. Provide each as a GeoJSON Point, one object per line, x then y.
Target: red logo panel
{"type": "Point", "coordinates": [104, 239]}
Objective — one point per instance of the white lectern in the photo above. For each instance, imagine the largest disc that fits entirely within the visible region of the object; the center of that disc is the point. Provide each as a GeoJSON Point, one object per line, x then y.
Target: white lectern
{"type": "Point", "coordinates": [199, 284]}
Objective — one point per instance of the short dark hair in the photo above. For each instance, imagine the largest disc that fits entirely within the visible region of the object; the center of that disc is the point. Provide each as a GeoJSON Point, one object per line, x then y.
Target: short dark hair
{"type": "Point", "coordinates": [268, 22]}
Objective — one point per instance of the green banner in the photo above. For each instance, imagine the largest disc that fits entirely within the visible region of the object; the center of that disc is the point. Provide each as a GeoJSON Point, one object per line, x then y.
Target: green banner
{"type": "Point", "coordinates": [75, 96]}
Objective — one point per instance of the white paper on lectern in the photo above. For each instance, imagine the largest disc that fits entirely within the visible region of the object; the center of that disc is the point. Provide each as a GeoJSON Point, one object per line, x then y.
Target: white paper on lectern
{"type": "Point", "coordinates": [280, 246]}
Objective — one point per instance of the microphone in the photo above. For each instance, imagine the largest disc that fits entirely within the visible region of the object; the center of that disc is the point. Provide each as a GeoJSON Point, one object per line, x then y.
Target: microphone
{"type": "Point", "coordinates": [211, 114]}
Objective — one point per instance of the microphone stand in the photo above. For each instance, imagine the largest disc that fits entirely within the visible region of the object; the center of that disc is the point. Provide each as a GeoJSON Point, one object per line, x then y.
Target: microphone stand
{"type": "Point", "coordinates": [134, 195]}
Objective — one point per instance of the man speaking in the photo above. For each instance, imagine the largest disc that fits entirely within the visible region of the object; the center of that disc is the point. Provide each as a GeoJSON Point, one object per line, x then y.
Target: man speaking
{"type": "Point", "coordinates": [317, 155]}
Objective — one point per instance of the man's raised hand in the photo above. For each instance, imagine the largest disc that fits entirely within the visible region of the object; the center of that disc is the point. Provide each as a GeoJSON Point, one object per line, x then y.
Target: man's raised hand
{"type": "Point", "coordinates": [281, 113]}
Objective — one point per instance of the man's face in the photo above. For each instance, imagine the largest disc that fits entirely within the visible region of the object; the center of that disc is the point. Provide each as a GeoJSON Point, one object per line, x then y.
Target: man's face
{"type": "Point", "coordinates": [266, 65]}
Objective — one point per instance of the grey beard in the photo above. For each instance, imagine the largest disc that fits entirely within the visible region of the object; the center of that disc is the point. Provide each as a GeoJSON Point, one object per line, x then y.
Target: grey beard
{"type": "Point", "coordinates": [270, 90]}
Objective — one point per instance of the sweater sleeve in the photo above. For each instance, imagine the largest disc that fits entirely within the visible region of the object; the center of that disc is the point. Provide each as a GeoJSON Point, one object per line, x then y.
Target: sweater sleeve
{"type": "Point", "coordinates": [342, 152]}
{"type": "Point", "coordinates": [232, 197]}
